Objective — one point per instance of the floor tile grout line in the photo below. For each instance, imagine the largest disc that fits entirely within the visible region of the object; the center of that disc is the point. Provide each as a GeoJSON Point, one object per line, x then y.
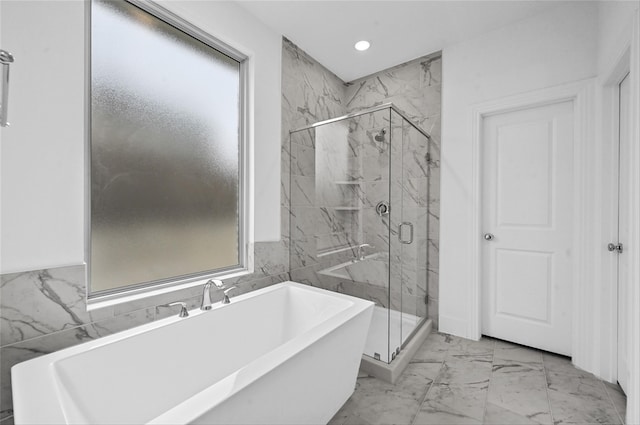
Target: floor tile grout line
{"type": "Point", "coordinates": [606, 390]}
{"type": "Point", "coordinates": [426, 394]}
{"type": "Point", "coordinates": [546, 387]}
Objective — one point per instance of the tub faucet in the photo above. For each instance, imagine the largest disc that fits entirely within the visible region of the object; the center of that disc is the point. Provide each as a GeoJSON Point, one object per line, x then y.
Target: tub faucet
{"type": "Point", "coordinates": [361, 247]}
{"type": "Point", "coordinates": [206, 293]}
{"type": "Point", "coordinates": [225, 298]}
{"type": "Point", "coordinates": [183, 308]}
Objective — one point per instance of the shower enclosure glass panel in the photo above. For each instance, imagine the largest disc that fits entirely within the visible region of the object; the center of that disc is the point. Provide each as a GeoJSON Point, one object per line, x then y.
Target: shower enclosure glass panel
{"type": "Point", "coordinates": [359, 215]}
{"type": "Point", "coordinates": [412, 229]}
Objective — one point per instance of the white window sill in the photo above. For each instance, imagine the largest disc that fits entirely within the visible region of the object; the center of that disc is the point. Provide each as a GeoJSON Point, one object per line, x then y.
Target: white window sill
{"type": "Point", "coordinates": [142, 293]}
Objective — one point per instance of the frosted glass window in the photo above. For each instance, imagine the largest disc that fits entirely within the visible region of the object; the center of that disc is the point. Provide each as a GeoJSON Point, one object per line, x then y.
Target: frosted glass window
{"type": "Point", "coordinates": [166, 186]}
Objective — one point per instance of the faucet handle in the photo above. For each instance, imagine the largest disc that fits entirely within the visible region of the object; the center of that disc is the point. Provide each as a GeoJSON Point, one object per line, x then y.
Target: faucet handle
{"type": "Point", "coordinates": [216, 282]}
{"type": "Point", "coordinates": [183, 308]}
{"type": "Point", "coordinates": [225, 297]}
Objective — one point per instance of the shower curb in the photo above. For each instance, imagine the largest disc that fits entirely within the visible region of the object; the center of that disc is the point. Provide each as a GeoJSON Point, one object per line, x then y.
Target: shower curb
{"type": "Point", "coordinates": [391, 372]}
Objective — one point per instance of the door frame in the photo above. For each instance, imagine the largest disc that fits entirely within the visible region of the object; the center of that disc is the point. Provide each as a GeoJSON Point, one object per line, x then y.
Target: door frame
{"type": "Point", "coordinates": [581, 94]}
{"type": "Point", "coordinates": [610, 133]}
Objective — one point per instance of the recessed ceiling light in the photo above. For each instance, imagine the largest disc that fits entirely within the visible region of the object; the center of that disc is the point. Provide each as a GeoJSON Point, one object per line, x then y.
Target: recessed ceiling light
{"type": "Point", "coordinates": [362, 45]}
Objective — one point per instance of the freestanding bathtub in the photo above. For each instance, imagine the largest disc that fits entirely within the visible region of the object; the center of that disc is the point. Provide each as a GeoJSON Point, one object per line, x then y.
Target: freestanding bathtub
{"type": "Point", "coordinates": [288, 353]}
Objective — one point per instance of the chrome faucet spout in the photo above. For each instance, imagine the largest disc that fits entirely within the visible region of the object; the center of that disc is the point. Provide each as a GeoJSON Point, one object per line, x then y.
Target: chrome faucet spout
{"type": "Point", "coordinates": [206, 297]}
{"type": "Point", "coordinates": [217, 282]}
{"type": "Point", "coordinates": [206, 292]}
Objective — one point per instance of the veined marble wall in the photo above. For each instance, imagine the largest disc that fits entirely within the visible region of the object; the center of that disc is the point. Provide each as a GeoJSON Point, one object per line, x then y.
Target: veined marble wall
{"type": "Point", "coordinates": [317, 226]}
{"type": "Point", "coordinates": [43, 311]}
{"type": "Point", "coordinates": [415, 88]}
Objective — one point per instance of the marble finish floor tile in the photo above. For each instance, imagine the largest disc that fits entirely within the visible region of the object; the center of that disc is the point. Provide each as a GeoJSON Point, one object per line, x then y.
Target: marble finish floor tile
{"type": "Point", "coordinates": [618, 398]}
{"type": "Point", "coordinates": [520, 390]}
{"type": "Point", "coordinates": [509, 351]}
{"type": "Point", "coordinates": [454, 403]}
{"type": "Point", "coordinates": [377, 402]}
{"type": "Point", "coordinates": [498, 415]}
{"type": "Point", "coordinates": [451, 380]}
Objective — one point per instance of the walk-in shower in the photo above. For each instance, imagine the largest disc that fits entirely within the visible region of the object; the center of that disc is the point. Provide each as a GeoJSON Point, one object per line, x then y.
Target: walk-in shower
{"type": "Point", "coordinates": [359, 208]}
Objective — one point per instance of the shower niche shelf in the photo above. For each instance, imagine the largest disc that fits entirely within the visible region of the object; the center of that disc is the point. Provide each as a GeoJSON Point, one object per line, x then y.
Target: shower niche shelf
{"type": "Point", "coordinates": [347, 208]}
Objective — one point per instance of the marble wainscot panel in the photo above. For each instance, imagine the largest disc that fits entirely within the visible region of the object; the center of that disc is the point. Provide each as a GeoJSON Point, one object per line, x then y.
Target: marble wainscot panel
{"type": "Point", "coordinates": [45, 310]}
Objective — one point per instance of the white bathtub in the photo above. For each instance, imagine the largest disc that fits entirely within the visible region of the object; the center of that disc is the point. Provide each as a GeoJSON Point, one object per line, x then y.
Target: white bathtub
{"type": "Point", "coordinates": [288, 353]}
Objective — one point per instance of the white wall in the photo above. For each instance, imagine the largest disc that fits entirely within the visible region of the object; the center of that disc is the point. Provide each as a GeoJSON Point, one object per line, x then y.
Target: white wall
{"type": "Point", "coordinates": [615, 19]}
{"type": "Point", "coordinates": [543, 51]}
{"type": "Point", "coordinates": [42, 174]}
{"type": "Point", "coordinates": [42, 157]}
{"type": "Point", "coordinates": [619, 32]}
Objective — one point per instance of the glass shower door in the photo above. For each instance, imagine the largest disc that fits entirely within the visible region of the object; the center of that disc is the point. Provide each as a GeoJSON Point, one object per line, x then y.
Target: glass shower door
{"type": "Point", "coordinates": [352, 203]}
{"type": "Point", "coordinates": [359, 197]}
{"type": "Point", "coordinates": [413, 230]}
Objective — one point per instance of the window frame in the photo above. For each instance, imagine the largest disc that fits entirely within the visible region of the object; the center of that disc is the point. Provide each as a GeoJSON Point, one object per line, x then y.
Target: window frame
{"type": "Point", "coordinates": [245, 206]}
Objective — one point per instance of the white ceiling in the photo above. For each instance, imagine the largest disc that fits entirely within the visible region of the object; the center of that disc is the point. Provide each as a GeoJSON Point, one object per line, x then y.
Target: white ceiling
{"type": "Point", "coordinates": [398, 30]}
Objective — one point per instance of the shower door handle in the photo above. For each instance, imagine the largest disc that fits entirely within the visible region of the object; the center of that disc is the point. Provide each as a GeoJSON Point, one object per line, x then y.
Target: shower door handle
{"type": "Point", "coordinates": [401, 233]}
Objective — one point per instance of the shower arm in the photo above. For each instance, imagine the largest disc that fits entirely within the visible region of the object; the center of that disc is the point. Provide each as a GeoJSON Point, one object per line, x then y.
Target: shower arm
{"type": "Point", "coordinates": [6, 59]}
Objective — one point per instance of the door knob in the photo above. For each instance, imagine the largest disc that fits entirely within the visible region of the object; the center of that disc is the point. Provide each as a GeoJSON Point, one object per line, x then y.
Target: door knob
{"type": "Point", "coordinates": [488, 237]}
{"type": "Point", "coordinates": [615, 247]}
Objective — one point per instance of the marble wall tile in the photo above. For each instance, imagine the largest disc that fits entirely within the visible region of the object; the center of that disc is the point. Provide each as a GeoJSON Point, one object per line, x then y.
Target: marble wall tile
{"type": "Point", "coordinates": [163, 299]}
{"type": "Point", "coordinates": [415, 87]}
{"type": "Point", "coordinates": [271, 258]}
{"type": "Point", "coordinates": [309, 276]}
{"type": "Point", "coordinates": [303, 160]}
{"type": "Point", "coordinates": [303, 252]}
{"type": "Point", "coordinates": [13, 354]}
{"type": "Point", "coordinates": [311, 93]}
{"type": "Point", "coordinates": [42, 302]}
{"type": "Point", "coordinates": [34, 347]}
{"type": "Point", "coordinates": [45, 311]}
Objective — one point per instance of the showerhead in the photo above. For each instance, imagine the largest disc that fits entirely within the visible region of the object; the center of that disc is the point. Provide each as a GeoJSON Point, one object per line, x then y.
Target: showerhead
{"type": "Point", "coordinates": [380, 136]}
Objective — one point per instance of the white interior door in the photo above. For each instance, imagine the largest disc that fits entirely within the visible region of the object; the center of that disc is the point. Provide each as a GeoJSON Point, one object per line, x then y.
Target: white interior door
{"type": "Point", "coordinates": [624, 219]}
{"type": "Point", "coordinates": [527, 198]}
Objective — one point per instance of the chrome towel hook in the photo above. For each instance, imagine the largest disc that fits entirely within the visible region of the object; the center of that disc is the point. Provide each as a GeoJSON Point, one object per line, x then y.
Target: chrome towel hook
{"type": "Point", "coordinates": [6, 59]}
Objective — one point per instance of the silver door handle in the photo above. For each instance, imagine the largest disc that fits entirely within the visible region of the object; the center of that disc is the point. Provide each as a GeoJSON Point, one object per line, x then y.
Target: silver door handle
{"type": "Point", "coordinates": [5, 60]}
{"type": "Point", "coordinates": [400, 232]}
{"type": "Point", "coordinates": [488, 237]}
{"type": "Point", "coordinates": [615, 247]}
